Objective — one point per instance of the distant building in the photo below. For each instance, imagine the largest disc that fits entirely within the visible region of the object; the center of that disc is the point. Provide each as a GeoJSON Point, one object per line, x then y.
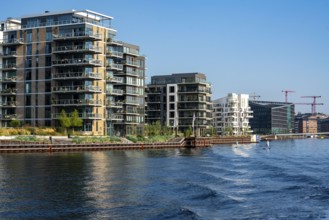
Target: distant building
{"type": "Point", "coordinates": [69, 60]}
{"type": "Point", "coordinates": [272, 117]}
{"type": "Point", "coordinates": [231, 114]}
{"type": "Point", "coordinates": [311, 123]}
{"type": "Point", "coordinates": [180, 99]}
{"type": "Point", "coordinates": [323, 124]}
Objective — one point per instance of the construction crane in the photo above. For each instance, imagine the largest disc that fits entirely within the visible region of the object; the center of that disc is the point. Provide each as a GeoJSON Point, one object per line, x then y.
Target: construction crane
{"type": "Point", "coordinates": [286, 94]}
{"type": "Point", "coordinates": [254, 96]}
{"type": "Point", "coordinates": [313, 109]}
{"type": "Point", "coordinates": [314, 103]}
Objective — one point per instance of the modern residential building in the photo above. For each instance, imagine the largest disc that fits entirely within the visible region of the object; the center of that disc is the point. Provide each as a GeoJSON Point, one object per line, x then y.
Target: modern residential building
{"type": "Point", "coordinates": [231, 114]}
{"type": "Point", "coordinates": [272, 117]}
{"type": "Point", "coordinates": [180, 99]}
{"type": "Point", "coordinates": [70, 60]}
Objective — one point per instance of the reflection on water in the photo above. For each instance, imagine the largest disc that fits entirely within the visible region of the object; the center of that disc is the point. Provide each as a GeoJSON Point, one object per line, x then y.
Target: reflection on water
{"type": "Point", "coordinates": [289, 181]}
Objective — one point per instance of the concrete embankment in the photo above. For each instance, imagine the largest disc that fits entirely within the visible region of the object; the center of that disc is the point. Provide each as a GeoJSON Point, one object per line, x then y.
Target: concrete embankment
{"type": "Point", "coordinates": [12, 146]}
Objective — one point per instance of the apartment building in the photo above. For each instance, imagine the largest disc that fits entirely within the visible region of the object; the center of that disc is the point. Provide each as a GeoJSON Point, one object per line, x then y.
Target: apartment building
{"type": "Point", "coordinates": [272, 117]}
{"type": "Point", "coordinates": [231, 114]}
{"type": "Point", "coordinates": [180, 100]}
{"type": "Point", "coordinates": [70, 60]}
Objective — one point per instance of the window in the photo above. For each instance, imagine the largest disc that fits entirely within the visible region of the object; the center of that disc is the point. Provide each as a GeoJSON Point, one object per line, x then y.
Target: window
{"type": "Point", "coordinates": [172, 89]}
{"type": "Point", "coordinates": [172, 106]}
{"type": "Point", "coordinates": [172, 114]}
{"type": "Point", "coordinates": [172, 98]}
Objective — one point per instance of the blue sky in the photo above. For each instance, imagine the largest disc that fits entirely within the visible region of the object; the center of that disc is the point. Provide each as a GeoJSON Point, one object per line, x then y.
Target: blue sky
{"type": "Point", "coordinates": [243, 46]}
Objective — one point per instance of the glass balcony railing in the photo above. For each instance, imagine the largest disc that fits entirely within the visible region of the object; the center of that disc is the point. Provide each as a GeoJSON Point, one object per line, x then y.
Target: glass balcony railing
{"type": "Point", "coordinates": [77, 35]}
{"type": "Point", "coordinates": [12, 41]}
{"type": "Point", "coordinates": [78, 61]}
{"type": "Point", "coordinates": [114, 91]}
{"type": "Point", "coordinates": [8, 66]}
{"type": "Point", "coordinates": [77, 75]}
{"type": "Point", "coordinates": [77, 48]}
{"type": "Point", "coordinates": [76, 89]}
{"type": "Point", "coordinates": [77, 102]}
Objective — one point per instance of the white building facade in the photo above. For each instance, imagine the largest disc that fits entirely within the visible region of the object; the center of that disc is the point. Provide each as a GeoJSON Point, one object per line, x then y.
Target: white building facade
{"type": "Point", "coordinates": [231, 115]}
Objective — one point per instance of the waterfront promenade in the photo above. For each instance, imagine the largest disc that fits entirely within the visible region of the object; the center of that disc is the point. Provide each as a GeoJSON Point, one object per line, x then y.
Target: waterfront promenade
{"type": "Point", "coordinates": [12, 146]}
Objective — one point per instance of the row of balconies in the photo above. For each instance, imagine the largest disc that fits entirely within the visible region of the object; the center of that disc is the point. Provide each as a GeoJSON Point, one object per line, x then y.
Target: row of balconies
{"type": "Point", "coordinates": [83, 115]}
{"type": "Point", "coordinates": [9, 91]}
{"type": "Point", "coordinates": [78, 102]}
{"type": "Point", "coordinates": [8, 66]}
{"type": "Point", "coordinates": [82, 88]}
{"type": "Point", "coordinates": [116, 79]}
{"type": "Point", "coordinates": [113, 53]}
{"type": "Point", "coordinates": [77, 48]}
{"type": "Point", "coordinates": [13, 41]}
{"type": "Point", "coordinates": [194, 90]}
{"type": "Point", "coordinates": [77, 61]}
{"type": "Point", "coordinates": [77, 75]}
{"type": "Point", "coordinates": [77, 35]}
{"type": "Point", "coordinates": [8, 54]}
{"type": "Point", "coordinates": [8, 104]}
{"type": "Point", "coordinates": [9, 79]}
{"type": "Point", "coordinates": [8, 116]}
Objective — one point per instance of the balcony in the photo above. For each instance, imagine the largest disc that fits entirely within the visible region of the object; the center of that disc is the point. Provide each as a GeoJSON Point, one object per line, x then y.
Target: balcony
{"type": "Point", "coordinates": [114, 66]}
{"type": "Point", "coordinates": [194, 91]}
{"type": "Point", "coordinates": [131, 63]}
{"type": "Point", "coordinates": [115, 79]}
{"type": "Point", "coordinates": [76, 75]}
{"type": "Point", "coordinates": [114, 92]}
{"type": "Point", "coordinates": [132, 52]}
{"type": "Point", "coordinates": [77, 62]}
{"type": "Point", "coordinates": [112, 53]}
{"type": "Point", "coordinates": [83, 115]}
{"type": "Point", "coordinates": [153, 101]}
{"type": "Point", "coordinates": [78, 36]}
{"type": "Point", "coordinates": [113, 42]}
{"type": "Point", "coordinates": [114, 117]}
{"type": "Point", "coordinates": [135, 73]}
{"type": "Point", "coordinates": [15, 41]}
{"type": "Point", "coordinates": [110, 104]}
{"type": "Point", "coordinates": [9, 66]}
{"type": "Point", "coordinates": [9, 79]}
{"type": "Point", "coordinates": [10, 91]}
{"type": "Point", "coordinates": [77, 102]}
{"type": "Point", "coordinates": [131, 102]}
{"type": "Point", "coordinates": [77, 49]}
{"type": "Point", "coordinates": [9, 116]}
{"type": "Point", "coordinates": [8, 54]}
{"type": "Point", "coordinates": [8, 104]}
{"type": "Point", "coordinates": [65, 89]}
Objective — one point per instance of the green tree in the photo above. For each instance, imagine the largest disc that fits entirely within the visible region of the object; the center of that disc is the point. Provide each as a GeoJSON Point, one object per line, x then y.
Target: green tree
{"type": "Point", "coordinates": [14, 123]}
{"type": "Point", "coordinates": [228, 131]}
{"type": "Point", "coordinates": [76, 121]}
{"type": "Point", "coordinates": [189, 131]}
{"type": "Point", "coordinates": [64, 121]}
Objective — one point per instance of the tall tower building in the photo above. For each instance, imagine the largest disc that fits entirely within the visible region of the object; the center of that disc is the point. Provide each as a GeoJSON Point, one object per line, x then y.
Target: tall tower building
{"type": "Point", "coordinates": [70, 60]}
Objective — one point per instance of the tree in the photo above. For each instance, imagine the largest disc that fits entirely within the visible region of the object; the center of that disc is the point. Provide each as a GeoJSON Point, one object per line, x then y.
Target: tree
{"type": "Point", "coordinates": [64, 120]}
{"type": "Point", "coordinates": [14, 123]}
{"type": "Point", "coordinates": [76, 121]}
{"type": "Point", "coordinates": [228, 131]}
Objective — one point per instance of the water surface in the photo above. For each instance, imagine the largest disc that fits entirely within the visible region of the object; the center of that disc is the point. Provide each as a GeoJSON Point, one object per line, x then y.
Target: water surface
{"type": "Point", "coordinates": [287, 181]}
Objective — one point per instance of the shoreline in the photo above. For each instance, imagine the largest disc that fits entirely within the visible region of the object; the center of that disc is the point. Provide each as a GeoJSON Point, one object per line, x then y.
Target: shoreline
{"type": "Point", "coordinates": [12, 146]}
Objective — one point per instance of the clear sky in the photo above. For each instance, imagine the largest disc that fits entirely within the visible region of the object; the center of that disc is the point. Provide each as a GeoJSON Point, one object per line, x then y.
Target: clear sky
{"type": "Point", "coordinates": [243, 46]}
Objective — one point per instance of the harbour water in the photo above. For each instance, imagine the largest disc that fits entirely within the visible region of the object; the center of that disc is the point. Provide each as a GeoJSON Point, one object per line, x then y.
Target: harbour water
{"type": "Point", "coordinates": [288, 180]}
